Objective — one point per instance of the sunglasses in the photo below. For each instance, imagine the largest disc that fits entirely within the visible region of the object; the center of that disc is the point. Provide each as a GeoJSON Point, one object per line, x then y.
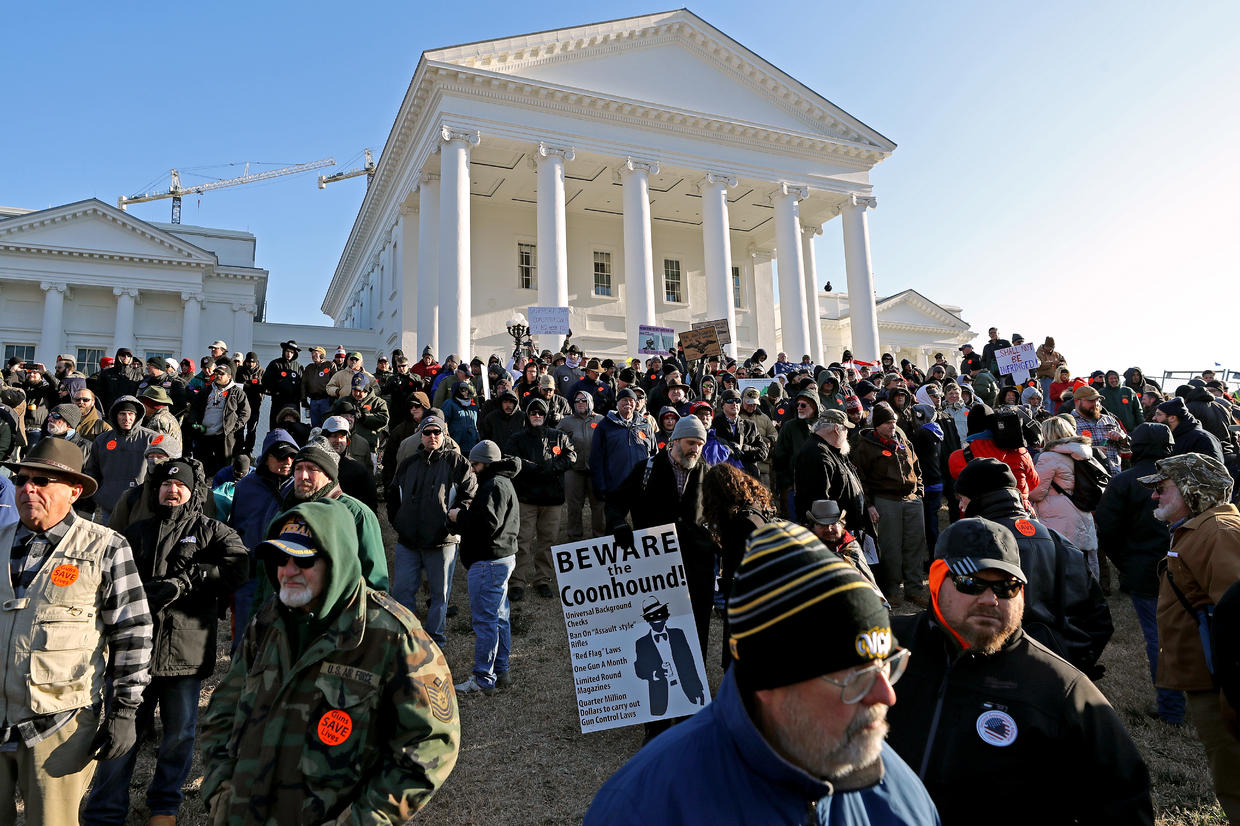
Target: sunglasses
{"type": "Point", "coordinates": [21, 480]}
{"type": "Point", "coordinates": [974, 586]}
{"type": "Point", "coordinates": [432, 432]}
{"type": "Point", "coordinates": [303, 562]}
{"type": "Point", "coordinates": [83, 401]}
{"type": "Point", "coordinates": [804, 404]}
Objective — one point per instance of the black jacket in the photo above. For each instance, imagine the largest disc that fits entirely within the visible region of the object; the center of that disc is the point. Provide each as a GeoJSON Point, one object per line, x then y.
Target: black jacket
{"type": "Point", "coordinates": [118, 380]}
{"type": "Point", "coordinates": [499, 426]}
{"type": "Point", "coordinates": [1128, 533]}
{"type": "Point", "coordinates": [1065, 609]}
{"type": "Point", "coordinates": [424, 487]}
{"type": "Point", "coordinates": [1021, 724]}
{"type": "Point", "coordinates": [282, 381]}
{"type": "Point", "coordinates": [546, 454]}
{"type": "Point", "coordinates": [357, 481]}
{"type": "Point", "coordinates": [205, 557]}
{"type": "Point", "coordinates": [822, 472]}
{"type": "Point", "coordinates": [489, 528]}
{"type": "Point", "coordinates": [1190, 437]}
{"type": "Point", "coordinates": [743, 440]}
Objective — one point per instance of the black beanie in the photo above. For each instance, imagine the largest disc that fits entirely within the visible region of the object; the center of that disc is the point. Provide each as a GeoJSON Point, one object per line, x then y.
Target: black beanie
{"type": "Point", "coordinates": [833, 605]}
{"type": "Point", "coordinates": [319, 451]}
{"type": "Point", "coordinates": [984, 475]}
{"type": "Point", "coordinates": [980, 418]}
{"type": "Point", "coordinates": [881, 414]}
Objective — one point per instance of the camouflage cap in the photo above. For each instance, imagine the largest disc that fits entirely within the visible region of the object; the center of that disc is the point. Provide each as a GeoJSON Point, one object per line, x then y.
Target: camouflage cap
{"type": "Point", "coordinates": [1203, 480]}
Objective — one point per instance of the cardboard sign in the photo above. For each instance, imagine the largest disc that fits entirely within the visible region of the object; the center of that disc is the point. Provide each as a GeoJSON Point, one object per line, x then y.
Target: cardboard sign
{"type": "Point", "coordinates": [548, 321]}
{"type": "Point", "coordinates": [700, 343]}
{"type": "Point", "coordinates": [721, 329]}
{"type": "Point", "coordinates": [631, 635]}
{"type": "Point", "coordinates": [1013, 359]}
{"type": "Point", "coordinates": [655, 341]}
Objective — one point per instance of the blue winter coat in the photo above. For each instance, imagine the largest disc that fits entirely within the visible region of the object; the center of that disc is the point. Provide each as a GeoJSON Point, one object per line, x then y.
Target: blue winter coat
{"type": "Point", "coordinates": [255, 500]}
{"type": "Point", "coordinates": [716, 767]}
{"type": "Point", "coordinates": [616, 449]}
{"type": "Point", "coordinates": [462, 421]}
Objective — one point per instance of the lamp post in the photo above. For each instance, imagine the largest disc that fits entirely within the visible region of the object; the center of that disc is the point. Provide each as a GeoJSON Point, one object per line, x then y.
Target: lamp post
{"type": "Point", "coordinates": [519, 329]}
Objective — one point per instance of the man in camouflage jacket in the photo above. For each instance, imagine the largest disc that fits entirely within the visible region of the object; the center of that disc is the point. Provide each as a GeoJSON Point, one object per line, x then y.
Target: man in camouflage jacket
{"type": "Point", "coordinates": [338, 707]}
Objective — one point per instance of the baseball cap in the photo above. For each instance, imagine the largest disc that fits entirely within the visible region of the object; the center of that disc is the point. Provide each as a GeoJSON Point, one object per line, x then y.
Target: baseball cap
{"type": "Point", "coordinates": [336, 424]}
{"type": "Point", "coordinates": [294, 538]}
{"type": "Point", "coordinates": [977, 544]}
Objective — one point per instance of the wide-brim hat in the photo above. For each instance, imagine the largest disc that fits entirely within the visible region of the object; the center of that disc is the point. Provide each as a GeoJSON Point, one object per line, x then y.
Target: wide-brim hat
{"type": "Point", "coordinates": [290, 345]}
{"type": "Point", "coordinates": [156, 394]}
{"type": "Point", "coordinates": [60, 457]}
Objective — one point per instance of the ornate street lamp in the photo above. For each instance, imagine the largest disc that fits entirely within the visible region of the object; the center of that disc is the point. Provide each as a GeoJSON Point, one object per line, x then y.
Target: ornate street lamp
{"type": "Point", "coordinates": [519, 329]}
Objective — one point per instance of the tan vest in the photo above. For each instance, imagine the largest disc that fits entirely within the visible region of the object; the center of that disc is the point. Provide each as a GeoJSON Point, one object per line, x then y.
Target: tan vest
{"type": "Point", "coordinates": [53, 636]}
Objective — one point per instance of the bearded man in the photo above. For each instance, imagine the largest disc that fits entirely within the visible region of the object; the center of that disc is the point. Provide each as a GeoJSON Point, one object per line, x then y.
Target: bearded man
{"type": "Point", "coordinates": [985, 706]}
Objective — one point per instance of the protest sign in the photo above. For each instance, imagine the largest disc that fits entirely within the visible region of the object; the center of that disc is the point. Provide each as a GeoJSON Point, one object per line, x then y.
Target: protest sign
{"type": "Point", "coordinates": [1020, 357]}
{"type": "Point", "coordinates": [548, 321]}
{"type": "Point", "coordinates": [631, 635]}
{"type": "Point", "coordinates": [700, 343]}
{"type": "Point", "coordinates": [743, 384]}
{"type": "Point", "coordinates": [721, 329]}
{"type": "Point", "coordinates": [655, 341]}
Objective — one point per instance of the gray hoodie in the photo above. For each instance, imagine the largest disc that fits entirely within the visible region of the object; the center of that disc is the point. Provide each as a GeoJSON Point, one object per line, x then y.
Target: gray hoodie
{"type": "Point", "coordinates": [118, 458]}
{"type": "Point", "coordinates": [581, 430]}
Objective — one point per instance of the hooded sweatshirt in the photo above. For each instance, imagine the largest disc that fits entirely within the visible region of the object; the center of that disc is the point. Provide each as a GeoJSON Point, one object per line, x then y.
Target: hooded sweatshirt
{"type": "Point", "coordinates": [581, 430]}
{"type": "Point", "coordinates": [118, 458]}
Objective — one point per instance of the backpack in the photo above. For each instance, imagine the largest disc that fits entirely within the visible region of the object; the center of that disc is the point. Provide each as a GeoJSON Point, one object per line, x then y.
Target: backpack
{"type": "Point", "coordinates": [1092, 478]}
{"type": "Point", "coordinates": [1013, 428]}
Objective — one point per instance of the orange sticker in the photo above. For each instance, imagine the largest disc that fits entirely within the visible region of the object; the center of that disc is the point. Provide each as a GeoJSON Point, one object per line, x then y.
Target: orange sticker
{"type": "Point", "coordinates": [1025, 527]}
{"type": "Point", "coordinates": [335, 727]}
{"type": "Point", "coordinates": [641, 434]}
{"type": "Point", "coordinates": [63, 575]}
{"type": "Point", "coordinates": [886, 452]}
{"type": "Point", "coordinates": [593, 425]}
{"type": "Point", "coordinates": [157, 439]}
{"type": "Point", "coordinates": [556, 450]}
{"type": "Point", "coordinates": [1123, 401]}
{"type": "Point", "coordinates": [111, 445]}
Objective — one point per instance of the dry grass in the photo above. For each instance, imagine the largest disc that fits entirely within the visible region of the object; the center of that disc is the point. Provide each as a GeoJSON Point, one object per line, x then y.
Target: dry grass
{"type": "Point", "coordinates": [523, 759]}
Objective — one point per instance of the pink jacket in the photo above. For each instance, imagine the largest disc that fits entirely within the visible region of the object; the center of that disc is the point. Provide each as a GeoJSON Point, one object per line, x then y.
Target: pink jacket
{"type": "Point", "coordinates": [1055, 510]}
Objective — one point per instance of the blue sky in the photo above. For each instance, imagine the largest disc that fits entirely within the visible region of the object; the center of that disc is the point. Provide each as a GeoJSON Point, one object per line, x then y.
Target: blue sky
{"type": "Point", "coordinates": [1063, 168]}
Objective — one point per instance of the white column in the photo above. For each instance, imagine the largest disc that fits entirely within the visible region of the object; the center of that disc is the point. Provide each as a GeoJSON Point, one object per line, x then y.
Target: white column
{"type": "Point", "coordinates": [52, 340]}
{"type": "Point", "coordinates": [428, 266]}
{"type": "Point", "coordinates": [455, 283]}
{"type": "Point", "coordinates": [863, 313]}
{"type": "Point", "coordinates": [552, 234]}
{"type": "Point", "coordinates": [785, 199]}
{"type": "Point", "coordinates": [126, 297]}
{"type": "Point", "coordinates": [813, 314]}
{"type": "Point", "coordinates": [717, 251]}
{"type": "Point", "coordinates": [243, 327]}
{"type": "Point", "coordinates": [638, 257]}
{"type": "Point", "coordinates": [191, 325]}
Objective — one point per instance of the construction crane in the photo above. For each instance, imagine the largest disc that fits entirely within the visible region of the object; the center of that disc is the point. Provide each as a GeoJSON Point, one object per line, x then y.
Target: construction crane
{"type": "Point", "coordinates": [176, 190]}
{"type": "Point", "coordinates": [368, 170]}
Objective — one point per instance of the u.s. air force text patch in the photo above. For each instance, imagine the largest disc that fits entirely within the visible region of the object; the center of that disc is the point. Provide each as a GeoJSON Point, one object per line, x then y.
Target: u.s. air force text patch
{"type": "Point", "coordinates": [349, 673]}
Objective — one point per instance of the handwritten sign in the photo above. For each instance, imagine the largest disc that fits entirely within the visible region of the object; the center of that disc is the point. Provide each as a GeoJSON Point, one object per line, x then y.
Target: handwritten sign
{"type": "Point", "coordinates": [1013, 359]}
{"type": "Point", "coordinates": [700, 343]}
{"type": "Point", "coordinates": [548, 321]}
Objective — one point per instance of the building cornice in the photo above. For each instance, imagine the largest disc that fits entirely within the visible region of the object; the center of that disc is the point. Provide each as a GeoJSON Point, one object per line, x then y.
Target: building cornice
{"type": "Point", "coordinates": [101, 255]}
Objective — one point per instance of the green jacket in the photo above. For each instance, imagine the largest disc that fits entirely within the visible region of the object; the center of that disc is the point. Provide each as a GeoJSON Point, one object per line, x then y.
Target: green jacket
{"type": "Point", "coordinates": [985, 388]}
{"type": "Point", "coordinates": [1124, 404]}
{"type": "Point", "coordinates": [347, 709]}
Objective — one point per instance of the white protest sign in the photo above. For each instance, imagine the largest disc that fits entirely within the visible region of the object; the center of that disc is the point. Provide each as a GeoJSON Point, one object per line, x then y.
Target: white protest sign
{"type": "Point", "coordinates": [1020, 357]}
{"type": "Point", "coordinates": [548, 321]}
{"type": "Point", "coordinates": [761, 384]}
{"type": "Point", "coordinates": [631, 635]}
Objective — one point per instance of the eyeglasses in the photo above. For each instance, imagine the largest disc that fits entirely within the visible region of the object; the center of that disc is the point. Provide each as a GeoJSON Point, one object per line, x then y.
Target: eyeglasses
{"type": "Point", "coordinates": [432, 432]}
{"type": "Point", "coordinates": [303, 562]}
{"type": "Point", "coordinates": [804, 404]}
{"type": "Point", "coordinates": [975, 585]}
{"type": "Point", "coordinates": [21, 480]}
{"type": "Point", "coordinates": [83, 400]}
{"type": "Point", "coordinates": [858, 684]}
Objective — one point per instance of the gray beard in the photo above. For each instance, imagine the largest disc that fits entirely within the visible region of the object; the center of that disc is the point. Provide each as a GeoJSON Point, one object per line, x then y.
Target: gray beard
{"type": "Point", "coordinates": [296, 597]}
{"type": "Point", "coordinates": [856, 750]}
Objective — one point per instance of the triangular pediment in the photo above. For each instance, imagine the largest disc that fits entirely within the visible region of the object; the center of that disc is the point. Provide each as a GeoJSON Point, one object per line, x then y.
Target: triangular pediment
{"type": "Point", "coordinates": [101, 229]}
{"type": "Point", "coordinates": [671, 59]}
{"type": "Point", "coordinates": [913, 308]}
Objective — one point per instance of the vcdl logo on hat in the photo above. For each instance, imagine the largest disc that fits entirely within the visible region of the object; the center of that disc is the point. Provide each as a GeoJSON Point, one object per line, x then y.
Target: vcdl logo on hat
{"type": "Point", "coordinates": [296, 526]}
{"type": "Point", "coordinates": [874, 644]}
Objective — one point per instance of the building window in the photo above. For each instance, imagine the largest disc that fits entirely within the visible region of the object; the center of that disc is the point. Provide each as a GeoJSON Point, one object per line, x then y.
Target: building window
{"type": "Point", "coordinates": [736, 288]}
{"type": "Point", "coordinates": [527, 267]}
{"type": "Point", "coordinates": [156, 354]}
{"type": "Point", "coordinates": [673, 284]}
{"type": "Point", "coordinates": [602, 273]}
{"type": "Point", "coordinates": [25, 352]}
{"type": "Point", "coordinates": [88, 359]}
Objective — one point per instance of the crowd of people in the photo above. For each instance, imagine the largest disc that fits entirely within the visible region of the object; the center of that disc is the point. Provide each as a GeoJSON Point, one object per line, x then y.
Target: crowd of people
{"type": "Point", "coordinates": [142, 508]}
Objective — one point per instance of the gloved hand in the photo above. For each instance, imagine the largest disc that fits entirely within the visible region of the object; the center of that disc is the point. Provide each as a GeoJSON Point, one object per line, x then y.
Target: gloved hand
{"type": "Point", "coordinates": [160, 593]}
{"type": "Point", "coordinates": [117, 735]}
{"type": "Point", "coordinates": [624, 537]}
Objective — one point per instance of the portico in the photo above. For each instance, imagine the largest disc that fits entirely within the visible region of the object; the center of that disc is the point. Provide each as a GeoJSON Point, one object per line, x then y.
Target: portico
{"type": "Point", "coordinates": [642, 171]}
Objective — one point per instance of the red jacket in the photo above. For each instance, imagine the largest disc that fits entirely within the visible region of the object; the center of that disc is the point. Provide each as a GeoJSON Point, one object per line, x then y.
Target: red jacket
{"type": "Point", "coordinates": [1018, 460]}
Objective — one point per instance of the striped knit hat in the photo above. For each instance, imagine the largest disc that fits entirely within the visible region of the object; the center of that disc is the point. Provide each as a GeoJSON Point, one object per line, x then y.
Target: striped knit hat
{"type": "Point", "coordinates": [799, 611]}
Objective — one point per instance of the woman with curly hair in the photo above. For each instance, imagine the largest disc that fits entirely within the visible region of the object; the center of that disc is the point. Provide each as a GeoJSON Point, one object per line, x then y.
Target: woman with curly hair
{"type": "Point", "coordinates": [733, 504]}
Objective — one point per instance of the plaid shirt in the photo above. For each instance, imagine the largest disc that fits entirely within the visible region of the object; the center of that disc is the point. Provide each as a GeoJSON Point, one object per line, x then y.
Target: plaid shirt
{"type": "Point", "coordinates": [1097, 429]}
{"type": "Point", "coordinates": [127, 626]}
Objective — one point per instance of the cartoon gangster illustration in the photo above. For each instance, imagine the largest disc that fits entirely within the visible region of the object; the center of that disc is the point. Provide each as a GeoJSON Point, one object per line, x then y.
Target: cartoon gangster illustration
{"type": "Point", "coordinates": [665, 660]}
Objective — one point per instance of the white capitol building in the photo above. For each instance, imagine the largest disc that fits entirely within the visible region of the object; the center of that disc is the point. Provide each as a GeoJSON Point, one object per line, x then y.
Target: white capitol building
{"type": "Point", "coordinates": [649, 170]}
